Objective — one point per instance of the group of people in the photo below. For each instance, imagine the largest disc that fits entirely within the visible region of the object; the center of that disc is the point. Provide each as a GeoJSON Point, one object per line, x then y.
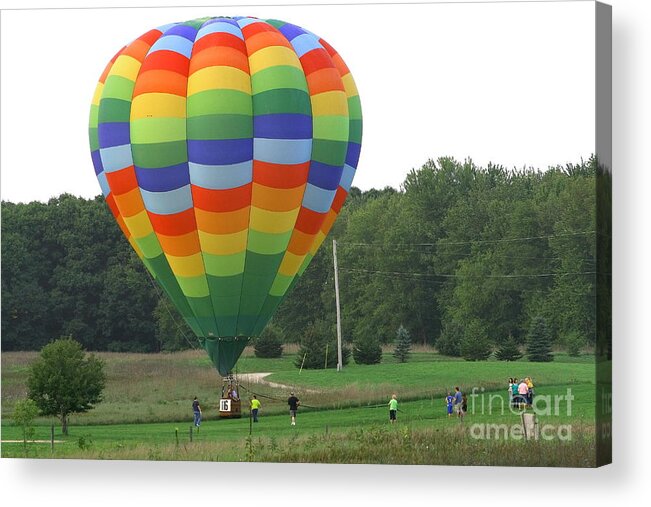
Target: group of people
{"type": "Point", "coordinates": [521, 392]}
{"type": "Point", "coordinates": [457, 403]}
{"type": "Point", "coordinates": [255, 405]}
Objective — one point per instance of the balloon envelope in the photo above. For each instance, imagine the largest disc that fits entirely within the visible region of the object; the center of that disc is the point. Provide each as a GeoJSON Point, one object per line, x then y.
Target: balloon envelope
{"type": "Point", "coordinates": [225, 148]}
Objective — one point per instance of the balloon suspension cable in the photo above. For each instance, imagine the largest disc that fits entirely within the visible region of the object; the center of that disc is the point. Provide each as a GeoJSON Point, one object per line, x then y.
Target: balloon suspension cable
{"type": "Point", "coordinates": [165, 304]}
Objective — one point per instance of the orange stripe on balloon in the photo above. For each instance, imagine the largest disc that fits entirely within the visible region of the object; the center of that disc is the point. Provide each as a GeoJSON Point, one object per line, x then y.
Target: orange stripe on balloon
{"type": "Point", "coordinates": [219, 56]}
{"type": "Point", "coordinates": [173, 225]}
{"type": "Point", "coordinates": [122, 181]}
{"type": "Point", "coordinates": [221, 200]}
{"type": "Point", "coordinates": [280, 175]}
{"type": "Point", "coordinates": [130, 203]}
{"type": "Point", "coordinates": [324, 80]}
{"type": "Point", "coordinates": [277, 199]}
{"type": "Point", "coordinates": [227, 222]}
{"type": "Point", "coordinates": [161, 81]}
{"type": "Point", "coordinates": [180, 246]}
{"type": "Point", "coordinates": [264, 39]}
{"type": "Point", "coordinates": [221, 40]}
{"type": "Point", "coordinates": [300, 243]}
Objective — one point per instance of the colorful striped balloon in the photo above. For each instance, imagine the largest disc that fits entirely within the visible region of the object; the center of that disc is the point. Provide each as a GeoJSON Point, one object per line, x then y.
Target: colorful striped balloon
{"type": "Point", "coordinates": [225, 148]}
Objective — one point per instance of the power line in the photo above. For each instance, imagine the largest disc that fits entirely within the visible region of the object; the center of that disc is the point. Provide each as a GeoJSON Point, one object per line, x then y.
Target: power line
{"type": "Point", "coordinates": [446, 275]}
{"type": "Point", "coordinates": [442, 242]}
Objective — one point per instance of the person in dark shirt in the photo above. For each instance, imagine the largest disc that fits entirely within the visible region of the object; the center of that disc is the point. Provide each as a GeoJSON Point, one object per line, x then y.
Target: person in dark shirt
{"type": "Point", "coordinates": [293, 403]}
{"type": "Point", "coordinates": [196, 408]}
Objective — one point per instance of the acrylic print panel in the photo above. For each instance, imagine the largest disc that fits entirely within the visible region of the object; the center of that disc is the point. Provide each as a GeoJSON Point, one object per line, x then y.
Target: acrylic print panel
{"type": "Point", "coordinates": [338, 234]}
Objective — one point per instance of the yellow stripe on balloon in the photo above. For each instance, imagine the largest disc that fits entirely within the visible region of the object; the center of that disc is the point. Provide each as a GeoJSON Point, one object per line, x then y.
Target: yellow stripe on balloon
{"type": "Point", "coordinates": [290, 264]}
{"type": "Point", "coordinates": [329, 103]}
{"type": "Point", "coordinates": [273, 222]}
{"type": "Point", "coordinates": [221, 77]}
{"type": "Point", "coordinates": [188, 266]}
{"type": "Point", "coordinates": [98, 94]}
{"type": "Point", "coordinates": [126, 66]}
{"type": "Point", "coordinates": [272, 56]}
{"type": "Point", "coordinates": [223, 244]}
{"type": "Point", "coordinates": [349, 85]}
{"type": "Point", "coordinates": [154, 105]}
{"type": "Point", "coordinates": [139, 224]}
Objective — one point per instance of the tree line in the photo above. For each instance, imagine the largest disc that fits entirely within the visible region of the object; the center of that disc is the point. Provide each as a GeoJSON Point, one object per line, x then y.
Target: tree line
{"type": "Point", "coordinates": [464, 257]}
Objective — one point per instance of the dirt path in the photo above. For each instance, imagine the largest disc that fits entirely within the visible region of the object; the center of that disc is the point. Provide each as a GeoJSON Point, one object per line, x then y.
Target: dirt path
{"type": "Point", "coordinates": [259, 378]}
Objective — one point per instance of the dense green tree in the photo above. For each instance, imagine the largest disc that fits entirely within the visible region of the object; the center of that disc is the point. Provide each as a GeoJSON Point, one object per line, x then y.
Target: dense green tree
{"type": "Point", "coordinates": [64, 380]}
{"type": "Point", "coordinates": [402, 345]}
{"type": "Point", "coordinates": [25, 411]}
{"type": "Point", "coordinates": [475, 345]}
{"type": "Point", "coordinates": [366, 347]}
{"type": "Point", "coordinates": [539, 342]}
{"type": "Point", "coordinates": [270, 342]}
{"type": "Point", "coordinates": [318, 348]}
{"type": "Point", "coordinates": [509, 350]}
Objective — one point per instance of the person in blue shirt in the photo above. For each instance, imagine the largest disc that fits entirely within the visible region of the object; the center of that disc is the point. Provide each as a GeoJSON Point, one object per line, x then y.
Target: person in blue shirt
{"type": "Point", "coordinates": [449, 400]}
{"type": "Point", "coordinates": [458, 402]}
{"type": "Point", "coordinates": [196, 408]}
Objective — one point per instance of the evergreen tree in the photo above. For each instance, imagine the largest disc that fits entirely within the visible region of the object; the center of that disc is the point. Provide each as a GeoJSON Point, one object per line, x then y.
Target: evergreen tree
{"type": "Point", "coordinates": [539, 341]}
{"type": "Point", "coordinates": [475, 345]}
{"type": "Point", "coordinates": [319, 347]}
{"type": "Point", "coordinates": [403, 345]}
{"type": "Point", "coordinates": [448, 342]}
{"type": "Point", "coordinates": [509, 350]}
{"type": "Point", "coordinates": [270, 343]}
{"type": "Point", "coordinates": [366, 348]}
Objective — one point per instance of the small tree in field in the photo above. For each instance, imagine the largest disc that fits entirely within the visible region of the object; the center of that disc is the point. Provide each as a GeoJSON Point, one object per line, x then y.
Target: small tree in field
{"type": "Point", "coordinates": [509, 351]}
{"type": "Point", "coordinates": [574, 342]}
{"type": "Point", "coordinates": [403, 345]}
{"type": "Point", "coordinates": [64, 380]}
{"type": "Point", "coordinates": [366, 348]}
{"type": "Point", "coordinates": [270, 343]}
{"type": "Point", "coordinates": [475, 345]}
{"type": "Point", "coordinates": [25, 412]}
{"type": "Point", "coordinates": [539, 342]}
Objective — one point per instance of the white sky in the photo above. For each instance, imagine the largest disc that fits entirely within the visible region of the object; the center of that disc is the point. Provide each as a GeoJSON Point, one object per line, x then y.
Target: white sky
{"type": "Point", "coordinates": [511, 83]}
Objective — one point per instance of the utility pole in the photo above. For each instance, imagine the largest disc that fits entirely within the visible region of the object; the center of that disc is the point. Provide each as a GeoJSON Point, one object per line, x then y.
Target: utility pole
{"type": "Point", "coordinates": [340, 364]}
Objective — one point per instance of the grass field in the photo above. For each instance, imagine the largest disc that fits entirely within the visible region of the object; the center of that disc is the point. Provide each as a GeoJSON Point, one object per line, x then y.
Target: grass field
{"type": "Point", "coordinates": [147, 403]}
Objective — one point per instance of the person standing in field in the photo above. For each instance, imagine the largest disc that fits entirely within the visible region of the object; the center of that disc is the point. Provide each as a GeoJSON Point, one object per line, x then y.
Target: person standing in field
{"type": "Point", "coordinates": [196, 409]}
{"type": "Point", "coordinates": [255, 406]}
{"type": "Point", "coordinates": [393, 409]}
{"type": "Point", "coordinates": [458, 402]}
{"type": "Point", "coordinates": [523, 390]}
{"type": "Point", "coordinates": [449, 400]}
{"type": "Point", "coordinates": [293, 403]}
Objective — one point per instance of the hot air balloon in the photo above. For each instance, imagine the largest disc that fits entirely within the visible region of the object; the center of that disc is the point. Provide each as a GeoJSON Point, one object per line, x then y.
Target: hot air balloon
{"type": "Point", "coordinates": [225, 148]}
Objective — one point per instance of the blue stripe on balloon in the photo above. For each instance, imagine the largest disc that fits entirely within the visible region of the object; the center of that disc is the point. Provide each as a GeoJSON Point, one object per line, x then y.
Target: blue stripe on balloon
{"type": "Point", "coordinates": [116, 157]}
{"type": "Point", "coordinates": [220, 26]}
{"type": "Point", "coordinates": [103, 184]}
{"type": "Point", "coordinates": [165, 28]}
{"type": "Point", "coordinates": [185, 31]}
{"type": "Point", "coordinates": [324, 176]}
{"type": "Point", "coordinates": [174, 43]}
{"type": "Point", "coordinates": [304, 44]}
{"type": "Point", "coordinates": [282, 126]}
{"type": "Point", "coordinates": [282, 151]}
{"type": "Point", "coordinates": [219, 151]}
{"type": "Point", "coordinates": [168, 203]}
{"type": "Point", "coordinates": [347, 177]}
{"type": "Point", "coordinates": [163, 179]}
{"type": "Point", "coordinates": [317, 199]}
{"type": "Point", "coordinates": [247, 21]}
{"type": "Point", "coordinates": [352, 155]}
{"type": "Point", "coordinates": [113, 134]}
{"type": "Point", "coordinates": [291, 31]}
{"type": "Point", "coordinates": [221, 177]}
{"type": "Point", "coordinates": [97, 161]}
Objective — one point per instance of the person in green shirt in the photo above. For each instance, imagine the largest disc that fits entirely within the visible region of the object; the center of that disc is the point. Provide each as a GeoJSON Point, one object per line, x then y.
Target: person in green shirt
{"type": "Point", "coordinates": [393, 409]}
{"type": "Point", "coordinates": [255, 406]}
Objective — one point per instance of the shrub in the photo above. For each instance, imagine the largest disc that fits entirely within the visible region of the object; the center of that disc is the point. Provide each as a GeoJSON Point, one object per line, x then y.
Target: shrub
{"type": "Point", "coordinates": [539, 341]}
{"type": "Point", "coordinates": [475, 345]}
{"type": "Point", "coordinates": [509, 350]}
{"type": "Point", "coordinates": [574, 342]}
{"type": "Point", "coordinates": [320, 338]}
{"type": "Point", "coordinates": [403, 345]}
{"type": "Point", "coordinates": [449, 340]}
{"type": "Point", "coordinates": [366, 348]}
{"type": "Point", "coordinates": [270, 343]}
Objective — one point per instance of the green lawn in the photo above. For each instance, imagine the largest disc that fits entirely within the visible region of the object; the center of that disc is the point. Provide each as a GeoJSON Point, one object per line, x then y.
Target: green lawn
{"type": "Point", "coordinates": [148, 399]}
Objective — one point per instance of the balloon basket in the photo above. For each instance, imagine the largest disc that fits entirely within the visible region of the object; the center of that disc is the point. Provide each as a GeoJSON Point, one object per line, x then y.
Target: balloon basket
{"type": "Point", "coordinates": [230, 405]}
